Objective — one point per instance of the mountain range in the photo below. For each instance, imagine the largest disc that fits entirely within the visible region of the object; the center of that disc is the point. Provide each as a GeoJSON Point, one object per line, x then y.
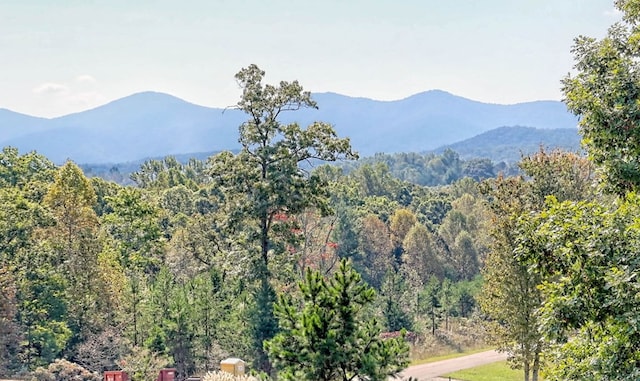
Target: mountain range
{"type": "Point", "coordinates": [153, 124]}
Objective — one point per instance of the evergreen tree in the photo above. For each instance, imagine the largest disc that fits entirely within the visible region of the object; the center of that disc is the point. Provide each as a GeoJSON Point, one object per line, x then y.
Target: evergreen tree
{"type": "Point", "coordinates": [327, 335]}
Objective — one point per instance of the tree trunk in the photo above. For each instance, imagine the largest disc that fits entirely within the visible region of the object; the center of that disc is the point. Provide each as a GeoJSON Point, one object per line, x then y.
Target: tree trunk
{"type": "Point", "coordinates": [433, 321]}
{"type": "Point", "coordinates": [135, 301]}
{"type": "Point", "coordinates": [536, 366]}
{"type": "Point", "coordinates": [526, 370]}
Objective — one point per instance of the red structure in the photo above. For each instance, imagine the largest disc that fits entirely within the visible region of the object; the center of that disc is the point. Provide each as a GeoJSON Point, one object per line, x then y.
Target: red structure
{"type": "Point", "coordinates": [168, 374]}
{"type": "Point", "coordinates": [116, 375]}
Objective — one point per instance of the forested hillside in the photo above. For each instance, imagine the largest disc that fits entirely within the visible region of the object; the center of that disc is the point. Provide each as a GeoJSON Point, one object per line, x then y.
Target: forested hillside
{"type": "Point", "coordinates": [487, 155]}
{"type": "Point", "coordinates": [183, 268]}
{"type": "Point", "coordinates": [421, 169]}
{"type": "Point", "coordinates": [511, 144]}
{"type": "Point", "coordinates": [151, 272]}
{"type": "Point", "coordinates": [202, 260]}
{"type": "Point", "coordinates": [314, 271]}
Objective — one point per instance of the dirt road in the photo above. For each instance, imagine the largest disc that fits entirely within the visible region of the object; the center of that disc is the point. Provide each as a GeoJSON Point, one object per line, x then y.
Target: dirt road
{"type": "Point", "coordinates": [432, 370]}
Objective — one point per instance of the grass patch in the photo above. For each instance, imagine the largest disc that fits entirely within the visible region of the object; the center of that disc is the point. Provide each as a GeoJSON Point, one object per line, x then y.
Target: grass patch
{"type": "Point", "coordinates": [498, 371]}
{"type": "Point", "coordinates": [460, 337]}
{"type": "Point", "coordinates": [448, 356]}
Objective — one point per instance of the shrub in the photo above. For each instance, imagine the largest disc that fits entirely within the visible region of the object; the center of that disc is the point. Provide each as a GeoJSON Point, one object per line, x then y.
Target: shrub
{"type": "Point", "coordinates": [63, 370]}
{"type": "Point", "coordinates": [143, 365]}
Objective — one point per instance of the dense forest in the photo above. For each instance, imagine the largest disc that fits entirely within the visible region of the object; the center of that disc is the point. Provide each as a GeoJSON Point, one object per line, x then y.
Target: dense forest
{"type": "Point", "coordinates": [184, 267]}
{"type": "Point", "coordinates": [310, 270]}
{"type": "Point", "coordinates": [429, 169]}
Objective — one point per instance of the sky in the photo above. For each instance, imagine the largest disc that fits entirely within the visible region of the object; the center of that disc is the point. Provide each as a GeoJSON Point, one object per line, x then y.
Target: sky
{"type": "Point", "coordinates": [64, 56]}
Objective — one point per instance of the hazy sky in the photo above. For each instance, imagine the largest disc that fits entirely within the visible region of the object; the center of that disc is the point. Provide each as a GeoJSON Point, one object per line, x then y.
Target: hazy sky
{"type": "Point", "coordinates": [58, 57]}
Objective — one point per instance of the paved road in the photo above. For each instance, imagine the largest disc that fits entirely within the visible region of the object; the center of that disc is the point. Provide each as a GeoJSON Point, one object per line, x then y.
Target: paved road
{"type": "Point", "coordinates": [431, 371]}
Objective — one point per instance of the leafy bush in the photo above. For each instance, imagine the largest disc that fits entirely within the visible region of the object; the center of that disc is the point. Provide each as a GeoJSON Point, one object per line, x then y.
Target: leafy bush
{"type": "Point", "coordinates": [142, 364]}
{"type": "Point", "coordinates": [63, 370]}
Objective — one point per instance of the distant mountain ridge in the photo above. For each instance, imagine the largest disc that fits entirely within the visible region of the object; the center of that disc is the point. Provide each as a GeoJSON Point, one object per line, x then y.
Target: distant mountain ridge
{"type": "Point", "coordinates": [153, 124]}
{"type": "Point", "coordinates": [510, 144]}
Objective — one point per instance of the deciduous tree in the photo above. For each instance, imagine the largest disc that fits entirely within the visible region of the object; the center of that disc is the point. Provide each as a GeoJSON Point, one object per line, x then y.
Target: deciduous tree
{"type": "Point", "coordinates": [10, 335]}
{"type": "Point", "coordinates": [511, 293]}
{"type": "Point", "coordinates": [605, 93]}
{"type": "Point", "coordinates": [74, 240]}
{"type": "Point", "coordinates": [401, 222]}
{"type": "Point", "coordinates": [265, 180]}
{"type": "Point", "coordinates": [376, 250]}
{"type": "Point", "coordinates": [421, 254]}
{"type": "Point", "coordinates": [586, 254]}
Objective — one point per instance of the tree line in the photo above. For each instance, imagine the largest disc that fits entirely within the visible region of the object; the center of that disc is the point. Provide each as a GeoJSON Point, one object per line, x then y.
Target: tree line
{"type": "Point", "coordinates": [206, 259]}
{"type": "Point", "coordinates": [268, 255]}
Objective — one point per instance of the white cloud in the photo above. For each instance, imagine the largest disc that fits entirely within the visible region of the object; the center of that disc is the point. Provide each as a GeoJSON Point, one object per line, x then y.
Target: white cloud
{"type": "Point", "coordinates": [84, 100]}
{"type": "Point", "coordinates": [73, 95]}
{"type": "Point", "coordinates": [50, 88]}
{"type": "Point", "coordinates": [86, 79]}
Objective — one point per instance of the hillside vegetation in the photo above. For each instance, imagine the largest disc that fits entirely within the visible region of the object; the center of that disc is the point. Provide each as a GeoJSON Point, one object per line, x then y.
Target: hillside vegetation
{"type": "Point", "coordinates": [190, 265]}
{"type": "Point", "coordinates": [311, 271]}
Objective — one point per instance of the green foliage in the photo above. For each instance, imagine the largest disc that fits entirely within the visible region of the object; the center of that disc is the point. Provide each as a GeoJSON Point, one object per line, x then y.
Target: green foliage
{"type": "Point", "coordinates": [430, 301]}
{"type": "Point", "coordinates": [175, 271]}
{"type": "Point", "coordinates": [142, 364]}
{"type": "Point", "coordinates": [10, 335]}
{"type": "Point", "coordinates": [376, 251]}
{"type": "Point", "coordinates": [465, 295]}
{"type": "Point", "coordinates": [178, 200]}
{"type": "Point", "coordinates": [464, 233]}
{"type": "Point", "coordinates": [23, 170]}
{"type": "Point", "coordinates": [169, 172]}
{"type": "Point", "coordinates": [134, 225]}
{"type": "Point", "coordinates": [478, 169]}
{"type": "Point", "coordinates": [400, 224]}
{"type": "Point", "coordinates": [432, 207]}
{"type": "Point", "coordinates": [395, 301]}
{"type": "Point", "coordinates": [510, 295]}
{"type": "Point", "coordinates": [20, 217]}
{"type": "Point", "coordinates": [74, 243]}
{"type": "Point", "coordinates": [70, 189]}
{"type": "Point", "coordinates": [326, 335]}
{"type": "Point", "coordinates": [103, 190]}
{"type": "Point", "coordinates": [43, 313]}
{"type": "Point", "coordinates": [421, 255]}
{"type": "Point", "coordinates": [565, 175]}
{"type": "Point", "coordinates": [219, 314]}
{"type": "Point", "coordinates": [375, 180]}
{"type": "Point", "coordinates": [585, 253]}
{"type": "Point", "coordinates": [264, 183]}
{"type": "Point", "coordinates": [420, 169]}
{"type": "Point", "coordinates": [605, 93]}
{"type": "Point", "coordinates": [184, 268]}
